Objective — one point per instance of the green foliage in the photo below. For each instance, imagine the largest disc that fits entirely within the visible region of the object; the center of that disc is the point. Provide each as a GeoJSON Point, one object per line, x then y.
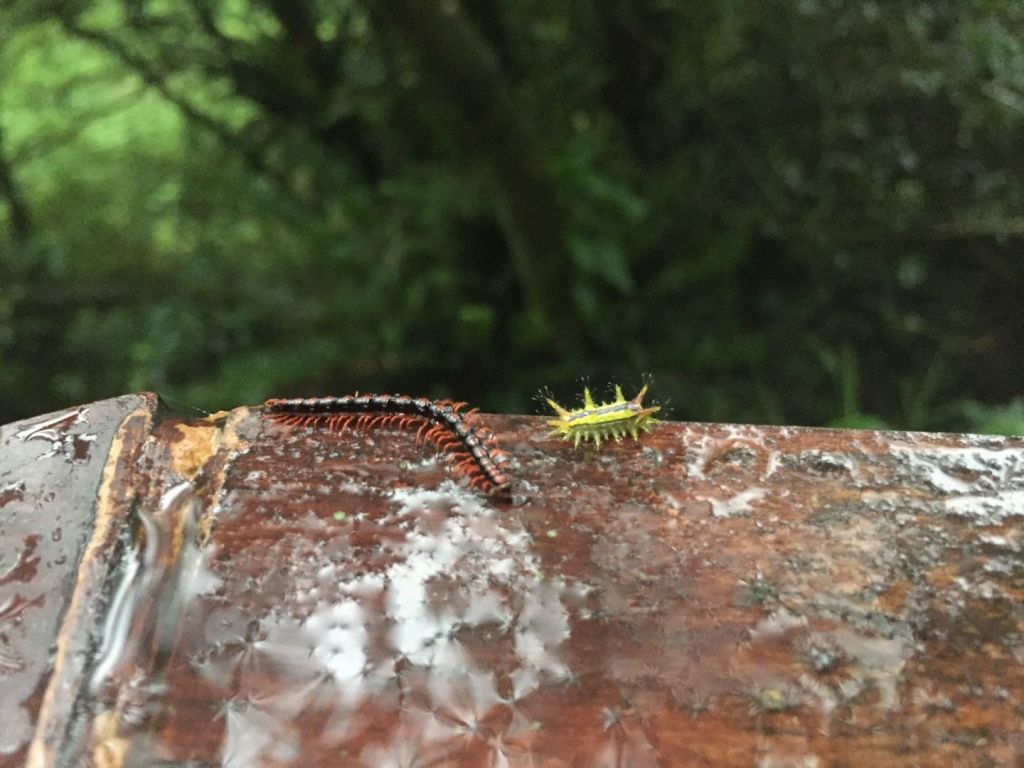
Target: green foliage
{"type": "Point", "coordinates": [996, 420]}
{"type": "Point", "coordinates": [806, 212]}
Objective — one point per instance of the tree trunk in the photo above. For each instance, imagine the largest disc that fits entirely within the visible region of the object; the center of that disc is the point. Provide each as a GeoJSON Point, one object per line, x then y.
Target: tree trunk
{"type": "Point", "coordinates": [470, 78]}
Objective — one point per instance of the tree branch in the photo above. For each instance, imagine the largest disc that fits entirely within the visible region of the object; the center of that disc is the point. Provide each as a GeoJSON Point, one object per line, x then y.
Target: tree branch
{"type": "Point", "coordinates": [157, 80]}
{"type": "Point", "coordinates": [203, 13]}
{"type": "Point", "coordinates": [282, 99]}
{"type": "Point", "coordinates": [83, 120]}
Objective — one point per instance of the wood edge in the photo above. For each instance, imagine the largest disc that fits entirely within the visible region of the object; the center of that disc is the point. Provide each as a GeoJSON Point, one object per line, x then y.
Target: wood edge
{"type": "Point", "coordinates": [71, 657]}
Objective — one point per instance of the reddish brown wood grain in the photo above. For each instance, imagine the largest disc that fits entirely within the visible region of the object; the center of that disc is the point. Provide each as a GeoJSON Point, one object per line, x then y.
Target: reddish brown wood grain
{"type": "Point", "coordinates": [244, 594]}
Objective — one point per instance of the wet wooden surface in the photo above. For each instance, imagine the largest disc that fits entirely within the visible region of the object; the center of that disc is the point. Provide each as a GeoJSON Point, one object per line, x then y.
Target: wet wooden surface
{"type": "Point", "coordinates": [231, 592]}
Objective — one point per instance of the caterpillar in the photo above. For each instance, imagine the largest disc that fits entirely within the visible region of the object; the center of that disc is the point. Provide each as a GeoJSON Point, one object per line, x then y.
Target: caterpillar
{"type": "Point", "coordinates": [441, 421]}
{"type": "Point", "coordinates": [616, 419]}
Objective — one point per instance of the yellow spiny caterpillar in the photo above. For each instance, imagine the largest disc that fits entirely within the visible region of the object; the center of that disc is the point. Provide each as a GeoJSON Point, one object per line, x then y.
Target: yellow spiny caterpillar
{"type": "Point", "coordinates": [616, 419]}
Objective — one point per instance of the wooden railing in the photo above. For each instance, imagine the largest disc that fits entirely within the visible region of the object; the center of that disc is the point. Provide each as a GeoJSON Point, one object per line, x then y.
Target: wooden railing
{"type": "Point", "coordinates": [234, 592]}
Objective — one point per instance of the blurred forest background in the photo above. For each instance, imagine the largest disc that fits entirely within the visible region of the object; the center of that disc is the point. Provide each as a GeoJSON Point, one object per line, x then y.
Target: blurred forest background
{"type": "Point", "coordinates": [801, 211]}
